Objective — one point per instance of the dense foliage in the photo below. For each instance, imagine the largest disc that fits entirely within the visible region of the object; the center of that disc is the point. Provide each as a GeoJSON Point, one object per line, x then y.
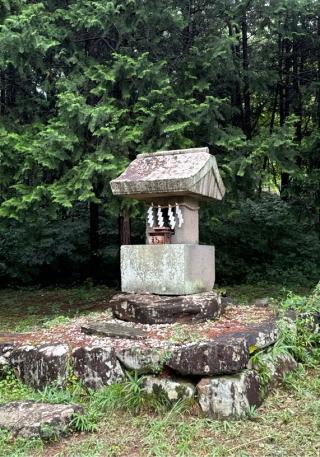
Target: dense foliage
{"type": "Point", "coordinates": [85, 85]}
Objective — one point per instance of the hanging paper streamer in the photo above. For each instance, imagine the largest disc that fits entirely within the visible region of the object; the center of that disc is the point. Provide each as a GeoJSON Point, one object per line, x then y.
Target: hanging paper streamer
{"type": "Point", "coordinates": [150, 216]}
{"type": "Point", "coordinates": [160, 217]}
{"type": "Point", "coordinates": [179, 214]}
{"type": "Point", "coordinates": [172, 219]}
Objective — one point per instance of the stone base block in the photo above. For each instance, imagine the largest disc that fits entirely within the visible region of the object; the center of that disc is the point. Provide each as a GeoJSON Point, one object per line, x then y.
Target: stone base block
{"type": "Point", "coordinates": [226, 397]}
{"type": "Point", "coordinates": [159, 309]}
{"type": "Point", "coordinates": [224, 354]}
{"type": "Point", "coordinates": [167, 269]}
{"type": "Point", "coordinates": [41, 366]}
{"type": "Point", "coordinates": [97, 366]}
{"type": "Point", "coordinates": [169, 390]}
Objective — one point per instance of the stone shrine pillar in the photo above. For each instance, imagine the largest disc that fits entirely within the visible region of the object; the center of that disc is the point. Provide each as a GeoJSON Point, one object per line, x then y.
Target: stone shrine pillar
{"type": "Point", "coordinates": [172, 184]}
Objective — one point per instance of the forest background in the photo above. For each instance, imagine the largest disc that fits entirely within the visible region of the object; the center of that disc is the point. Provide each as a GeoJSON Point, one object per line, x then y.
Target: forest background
{"type": "Point", "coordinates": [87, 85]}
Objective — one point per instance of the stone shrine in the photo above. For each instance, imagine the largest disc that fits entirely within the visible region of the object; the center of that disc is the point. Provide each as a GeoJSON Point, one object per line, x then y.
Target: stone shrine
{"type": "Point", "coordinates": [171, 183]}
{"type": "Point", "coordinates": [172, 265]}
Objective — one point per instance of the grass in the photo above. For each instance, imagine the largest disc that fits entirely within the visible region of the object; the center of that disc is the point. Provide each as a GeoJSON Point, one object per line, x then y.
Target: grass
{"type": "Point", "coordinates": [28, 309]}
{"type": "Point", "coordinates": [123, 424]}
{"type": "Point", "coordinates": [287, 424]}
{"type": "Point", "coordinates": [24, 310]}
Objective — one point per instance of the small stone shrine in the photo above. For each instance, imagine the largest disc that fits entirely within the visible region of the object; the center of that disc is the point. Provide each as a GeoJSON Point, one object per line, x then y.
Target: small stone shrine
{"type": "Point", "coordinates": [200, 355]}
{"type": "Point", "coordinates": [172, 262]}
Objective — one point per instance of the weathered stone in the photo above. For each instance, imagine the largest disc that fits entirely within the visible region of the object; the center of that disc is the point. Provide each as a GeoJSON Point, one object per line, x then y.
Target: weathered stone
{"type": "Point", "coordinates": [4, 364]}
{"type": "Point", "coordinates": [97, 366]}
{"type": "Point", "coordinates": [171, 173]}
{"type": "Point", "coordinates": [40, 366]}
{"type": "Point", "coordinates": [112, 330]}
{"type": "Point", "coordinates": [225, 397]}
{"type": "Point", "coordinates": [259, 336]}
{"type": "Point", "coordinates": [222, 355]}
{"type": "Point", "coordinates": [29, 419]}
{"type": "Point", "coordinates": [143, 360]}
{"type": "Point", "coordinates": [167, 269]}
{"type": "Point", "coordinates": [276, 366]}
{"type": "Point", "coordinates": [310, 319]}
{"type": "Point", "coordinates": [6, 349]}
{"type": "Point", "coordinates": [161, 309]}
{"type": "Point", "coordinates": [227, 301]}
{"type": "Point", "coordinates": [261, 302]}
{"type": "Point", "coordinates": [168, 389]}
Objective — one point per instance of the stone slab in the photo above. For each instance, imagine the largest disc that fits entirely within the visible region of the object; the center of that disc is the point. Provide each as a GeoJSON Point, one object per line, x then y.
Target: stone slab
{"type": "Point", "coordinates": [226, 397]}
{"type": "Point", "coordinates": [168, 389]}
{"type": "Point", "coordinates": [208, 358]}
{"type": "Point", "coordinates": [41, 366]}
{"type": "Point", "coordinates": [96, 366]}
{"type": "Point", "coordinates": [260, 336]}
{"type": "Point", "coordinates": [30, 419]}
{"type": "Point", "coordinates": [143, 360]}
{"type": "Point", "coordinates": [162, 309]}
{"type": "Point", "coordinates": [112, 330]}
{"type": "Point", "coordinates": [167, 269]}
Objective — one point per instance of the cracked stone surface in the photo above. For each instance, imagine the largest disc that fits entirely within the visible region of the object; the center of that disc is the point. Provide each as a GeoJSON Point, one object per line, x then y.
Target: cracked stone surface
{"type": "Point", "coordinates": [30, 419]}
{"type": "Point", "coordinates": [226, 397]}
{"type": "Point", "coordinates": [222, 355]}
{"type": "Point", "coordinates": [169, 389]}
{"type": "Point", "coordinates": [161, 309]}
{"type": "Point", "coordinates": [97, 366]}
{"type": "Point", "coordinates": [40, 366]}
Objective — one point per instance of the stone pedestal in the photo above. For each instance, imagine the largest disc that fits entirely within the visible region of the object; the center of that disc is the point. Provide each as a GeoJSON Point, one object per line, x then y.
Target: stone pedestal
{"type": "Point", "coordinates": [159, 309]}
{"type": "Point", "coordinates": [167, 269]}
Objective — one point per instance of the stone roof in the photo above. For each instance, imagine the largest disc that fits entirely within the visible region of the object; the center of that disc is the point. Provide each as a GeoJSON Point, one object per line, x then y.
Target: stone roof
{"type": "Point", "coordinates": [192, 172]}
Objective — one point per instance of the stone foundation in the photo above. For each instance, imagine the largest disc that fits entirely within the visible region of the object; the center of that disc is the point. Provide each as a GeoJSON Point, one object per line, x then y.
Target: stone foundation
{"type": "Point", "coordinates": [162, 309]}
{"type": "Point", "coordinates": [208, 363]}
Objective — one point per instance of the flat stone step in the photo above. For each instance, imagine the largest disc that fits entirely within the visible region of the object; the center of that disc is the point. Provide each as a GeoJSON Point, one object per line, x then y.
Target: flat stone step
{"type": "Point", "coordinates": [113, 330]}
{"type": "Point", "coordinates": [29, 419]}
{"type": "Point", "coordinates": [162, 309]}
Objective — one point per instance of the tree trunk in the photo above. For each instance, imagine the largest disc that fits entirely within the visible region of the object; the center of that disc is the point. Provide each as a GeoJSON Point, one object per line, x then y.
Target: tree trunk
{"type": "Point", "coordinates": [280, 71]}
{"type": "Point", "coordinates": [236, 97]}
{"type": "Point", "coordinates": [94, 238]}
{"type": "Point", "coordinates": [318, 73]}
{"type": "Point", "coordinates": [297, 105]}
{"type": "Point", "coordinates": [124, 228]}
{"type": "Point", "coordinates": [287, 59]}
{"type": "Point", "coordinates": [246, 82]}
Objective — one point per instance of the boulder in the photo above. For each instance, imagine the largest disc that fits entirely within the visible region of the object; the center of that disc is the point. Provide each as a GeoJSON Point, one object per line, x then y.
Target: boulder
{"type": "Point", "coordinates": [97, 366]}
{"type": "Point", "coordinates": [167, 389]}
{"type": "Point", "coordinates": [143, 360]}
{"type": "Point", "coordinates": [162, 309]}
{"type": "Point", "coordinates": [40, 366]}
{"type": "Point", "coordinates": [227, 397]}
{"type": "Point", "coordinates": [29, 419]}
{"type": "Point", "coordinates": [222, 355]}
{"type": "Point", "coordinates": [113, 330]}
